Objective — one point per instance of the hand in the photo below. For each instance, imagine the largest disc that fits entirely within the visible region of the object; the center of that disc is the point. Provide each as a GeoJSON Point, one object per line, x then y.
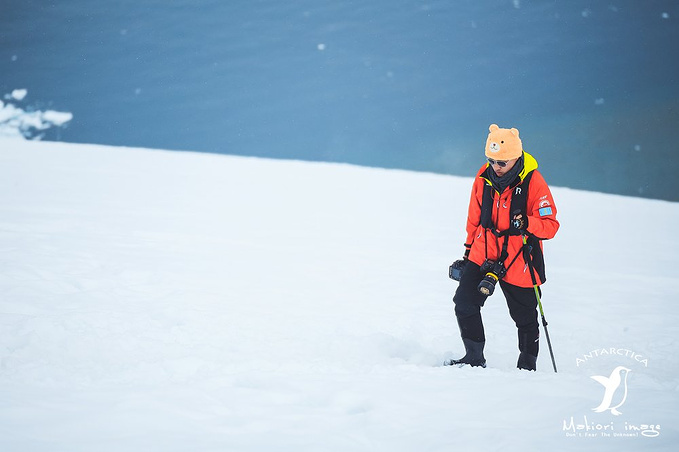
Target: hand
{"type": "Point", "coordinates": [519, 224]}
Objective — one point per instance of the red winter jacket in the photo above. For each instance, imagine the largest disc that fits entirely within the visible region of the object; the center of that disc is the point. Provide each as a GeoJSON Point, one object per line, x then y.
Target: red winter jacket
{"type": "Point", "coordinates": [542, 223]}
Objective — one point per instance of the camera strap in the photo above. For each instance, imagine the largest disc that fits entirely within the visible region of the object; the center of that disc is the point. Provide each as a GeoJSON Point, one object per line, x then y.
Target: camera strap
{"type": "Point", "coordinates": [516, 257]}
{"type": "Point", "coordinates": [519, 205]}
{"type": "Point", "coordinates": [504, 254]}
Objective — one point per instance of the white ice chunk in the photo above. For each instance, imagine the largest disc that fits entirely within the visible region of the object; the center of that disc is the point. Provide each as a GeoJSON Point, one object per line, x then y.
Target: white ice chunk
{"type": "Point", "coordinates": [58, 118]}
{"type": "Point", "coordinates": [16, 122]}
{"type": "Point", "coordinates": [19, 94]}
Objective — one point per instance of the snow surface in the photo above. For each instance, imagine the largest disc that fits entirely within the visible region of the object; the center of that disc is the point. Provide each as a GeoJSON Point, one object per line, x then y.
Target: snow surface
{"type": "Point", "coordinates": [167, 301]}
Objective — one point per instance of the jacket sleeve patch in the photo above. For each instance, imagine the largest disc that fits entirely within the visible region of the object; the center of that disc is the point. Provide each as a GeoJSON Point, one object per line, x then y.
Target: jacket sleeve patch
{"type": "Point", "coordinates": [545, 211]}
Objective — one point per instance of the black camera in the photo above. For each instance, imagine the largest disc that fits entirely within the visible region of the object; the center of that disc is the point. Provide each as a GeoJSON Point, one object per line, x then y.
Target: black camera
{"type": "Point", "coordinates": [494, 271]}
{"type": "Point", "coordinates": [455, 270]}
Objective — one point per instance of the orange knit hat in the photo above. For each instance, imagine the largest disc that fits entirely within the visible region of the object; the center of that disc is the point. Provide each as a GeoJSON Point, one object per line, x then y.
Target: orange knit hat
{"type": "Point", "coordinates": [503, 144]}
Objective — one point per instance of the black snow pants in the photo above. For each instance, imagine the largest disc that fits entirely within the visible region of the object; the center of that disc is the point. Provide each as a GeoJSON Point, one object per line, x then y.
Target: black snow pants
{"type": "Point", "coordinates": [521, 302]}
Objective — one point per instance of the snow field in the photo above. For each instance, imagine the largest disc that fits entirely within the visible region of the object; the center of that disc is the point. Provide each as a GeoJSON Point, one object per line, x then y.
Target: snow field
{"type": "Point", "coordinates": [154, 300]}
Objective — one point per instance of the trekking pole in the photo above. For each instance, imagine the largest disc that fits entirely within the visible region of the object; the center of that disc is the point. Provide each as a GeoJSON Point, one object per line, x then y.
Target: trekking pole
{"type": "Point", "coordinates": [537, 296]}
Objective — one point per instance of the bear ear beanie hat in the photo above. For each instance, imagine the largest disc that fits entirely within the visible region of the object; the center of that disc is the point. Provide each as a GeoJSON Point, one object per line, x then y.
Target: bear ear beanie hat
{"type": "Point", "coordinates": [503, 144]}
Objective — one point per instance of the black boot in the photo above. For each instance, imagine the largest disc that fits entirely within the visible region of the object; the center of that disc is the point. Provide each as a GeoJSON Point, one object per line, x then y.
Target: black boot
{"type": "Point", "coordinates": [527, 361]}
{"type": "Point", "coordinates": [529, 344]}
{"type": "Point", "coordinates": [473, 356]}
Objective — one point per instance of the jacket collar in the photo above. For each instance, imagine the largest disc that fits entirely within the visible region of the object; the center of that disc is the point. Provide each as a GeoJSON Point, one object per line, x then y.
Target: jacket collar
{"type": "Point", "coordinates": [529, 164]}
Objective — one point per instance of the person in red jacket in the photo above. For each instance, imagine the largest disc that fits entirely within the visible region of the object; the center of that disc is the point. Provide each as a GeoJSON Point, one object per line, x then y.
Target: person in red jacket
{"type": "Point", "coordinates": [510, 204]}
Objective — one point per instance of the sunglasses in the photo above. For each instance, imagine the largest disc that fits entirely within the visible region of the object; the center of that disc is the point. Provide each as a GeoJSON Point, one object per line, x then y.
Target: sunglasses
{"type": "Point", "coordinates": [500, 163]}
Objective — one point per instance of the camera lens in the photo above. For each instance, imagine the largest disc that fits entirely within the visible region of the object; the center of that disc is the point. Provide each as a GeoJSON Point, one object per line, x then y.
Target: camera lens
{"type": "Point", "coordinates": [487, 284]}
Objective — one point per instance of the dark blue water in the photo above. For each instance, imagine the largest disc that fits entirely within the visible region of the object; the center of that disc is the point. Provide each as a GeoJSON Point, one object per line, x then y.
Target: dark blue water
{"type": "Point", "coordinates": [593, 86]}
